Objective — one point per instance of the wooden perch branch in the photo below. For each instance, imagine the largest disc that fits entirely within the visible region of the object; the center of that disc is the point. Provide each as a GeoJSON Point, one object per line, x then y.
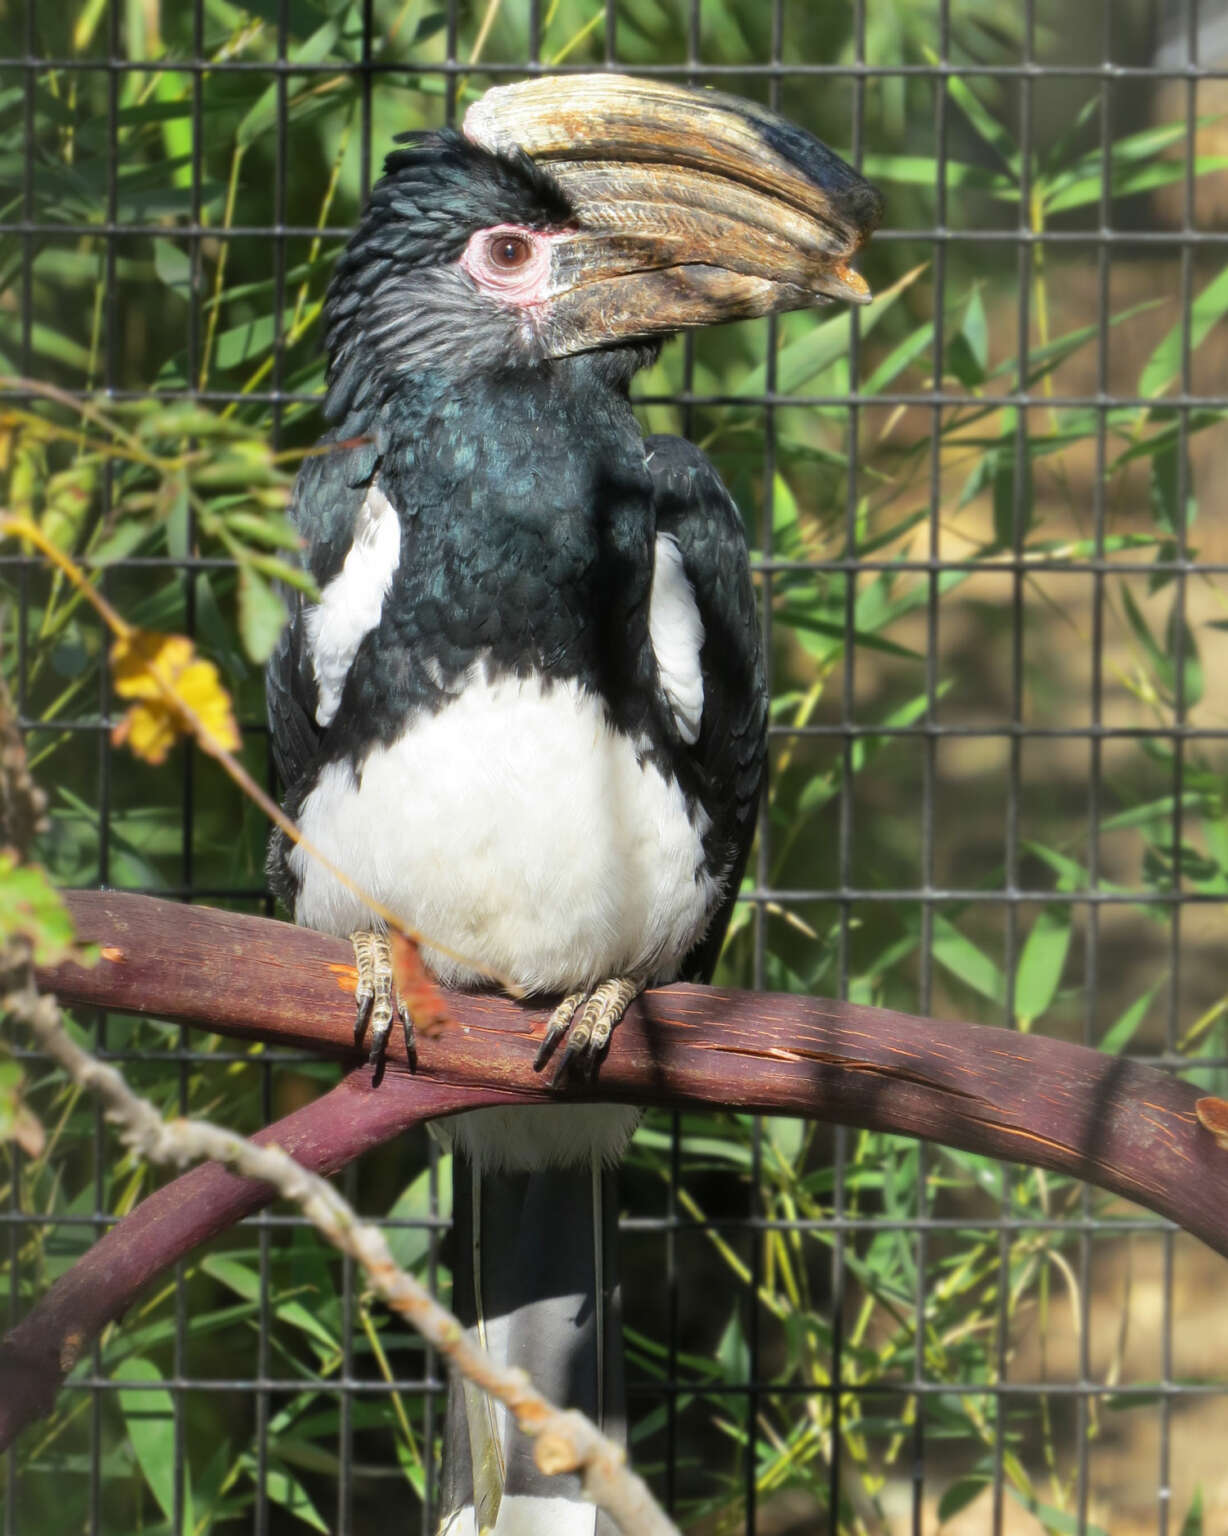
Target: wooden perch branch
{"type": "Point", "coordinates": [1127, 1128]}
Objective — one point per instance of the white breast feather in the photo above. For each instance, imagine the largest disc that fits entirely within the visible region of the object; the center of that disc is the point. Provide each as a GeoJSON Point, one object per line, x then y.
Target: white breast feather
{"type": "Point", "coordinates": [351, 604]}
{"type": "Point", "coordinates": [522, 834]}
{"type": "Point", "coordinates": [677, 634]}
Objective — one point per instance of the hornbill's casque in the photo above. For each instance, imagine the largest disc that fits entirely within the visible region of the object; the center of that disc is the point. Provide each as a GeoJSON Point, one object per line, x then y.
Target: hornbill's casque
{"type": "Point", "coordinates": [527, 713]}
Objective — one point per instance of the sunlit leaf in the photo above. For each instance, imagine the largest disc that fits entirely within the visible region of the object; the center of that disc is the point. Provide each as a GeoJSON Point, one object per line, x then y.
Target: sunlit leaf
{"type": "Point", "coordinates": [804, 359]}
{"type": "Point", "coordinates": [1123, 1030]}
{"type": "Point", "coordinates": [31, 909]}
{"type": "Point", "coordinates": [963, 959]}
{"type": "Point", "coordinates": [1206, 310]}
{"type": "Point", "coordinates": [1055, 1521]}
{"type": "Point", "coordinates": [264, 115]}
{"type": "Point", "coordinates": [1130, 181]}
{"type": "Point", "coordinates": [1042, 961]}
{"type": "Point", "coordinates": [262, 614]}
{"type": "Point", "coordinates": [246, 1282]}
{"type": "Point", "coordinates": [176, 692]}
{"type": "Point", "coordinates": [17, 1124]}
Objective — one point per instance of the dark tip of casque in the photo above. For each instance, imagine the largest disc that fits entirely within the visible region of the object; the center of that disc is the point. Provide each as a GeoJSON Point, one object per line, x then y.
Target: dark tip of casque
{"type": "Point", "coordinates": [849, 192]}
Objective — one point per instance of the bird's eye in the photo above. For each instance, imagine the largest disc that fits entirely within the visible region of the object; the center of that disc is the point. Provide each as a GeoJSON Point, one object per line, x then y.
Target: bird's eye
{"type": "Point", "coordinates": [508, 252]}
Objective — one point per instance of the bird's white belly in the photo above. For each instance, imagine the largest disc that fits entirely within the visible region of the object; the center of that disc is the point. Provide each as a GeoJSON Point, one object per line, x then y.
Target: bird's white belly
{"type": "Point", "coordinates": [518, 832]}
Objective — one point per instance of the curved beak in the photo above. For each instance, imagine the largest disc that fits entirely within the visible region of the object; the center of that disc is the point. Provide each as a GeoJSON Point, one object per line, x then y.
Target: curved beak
{"type": "Point", "coordinates": [691, 207]}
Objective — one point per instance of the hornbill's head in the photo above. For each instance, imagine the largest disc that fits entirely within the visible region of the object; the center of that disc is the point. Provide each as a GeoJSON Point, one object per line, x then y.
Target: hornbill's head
{"type": "Point", "coordinates": [581, 213]}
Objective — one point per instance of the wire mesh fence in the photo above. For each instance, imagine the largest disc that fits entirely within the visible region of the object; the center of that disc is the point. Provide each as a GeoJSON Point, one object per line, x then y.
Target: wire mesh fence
{"type": "Point", "coordinates": [996, 636]}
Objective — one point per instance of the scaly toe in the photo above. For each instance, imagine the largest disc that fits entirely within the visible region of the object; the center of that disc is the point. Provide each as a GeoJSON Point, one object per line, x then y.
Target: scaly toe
{"type": "Point", "coordinates": [364, 988]}
{"type": "Point", "coordinates": [616, 998]}
{"type": "Point", "coordinates": [560, 1020]}
{"type": "Point", "coordinates": [375, 997]}
{"type": "Point", "coordinates": [589, 1020]}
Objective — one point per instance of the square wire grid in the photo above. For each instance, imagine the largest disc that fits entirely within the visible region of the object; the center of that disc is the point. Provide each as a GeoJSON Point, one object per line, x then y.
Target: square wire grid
{"type": "Point", "coordinates": [909, 844]}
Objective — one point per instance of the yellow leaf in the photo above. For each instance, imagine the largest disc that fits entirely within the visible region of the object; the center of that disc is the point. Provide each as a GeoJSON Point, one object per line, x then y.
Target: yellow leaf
{"type": "Point", "coordinates": [176, 693]}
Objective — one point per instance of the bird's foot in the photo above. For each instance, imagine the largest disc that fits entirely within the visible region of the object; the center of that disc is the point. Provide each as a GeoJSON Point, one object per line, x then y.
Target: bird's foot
{"type": "Point", "coordinates": [588, 1020]}
{"type": "Point", "coordinates": [375, 997]}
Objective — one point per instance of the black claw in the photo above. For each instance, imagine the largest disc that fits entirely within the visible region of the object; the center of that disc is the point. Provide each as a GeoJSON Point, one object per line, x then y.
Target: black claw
{"type": "Point", "coordinates": [546, 1049]}
{"type": "Point", "coordinates": [411, 1048]}
{"type": "Point", "coordinates": [573, 1050]}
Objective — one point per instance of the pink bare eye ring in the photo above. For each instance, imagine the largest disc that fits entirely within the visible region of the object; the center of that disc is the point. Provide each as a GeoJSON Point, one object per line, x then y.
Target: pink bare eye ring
{"type": "Point", "coordinates": [510, 263]}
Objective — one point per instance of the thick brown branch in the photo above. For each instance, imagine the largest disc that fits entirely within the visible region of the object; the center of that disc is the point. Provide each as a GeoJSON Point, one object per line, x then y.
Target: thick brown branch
{"type": "Point", "coordinates": [1125, 1127]}
{"type": "Point", "coordinates": [323, 1136]}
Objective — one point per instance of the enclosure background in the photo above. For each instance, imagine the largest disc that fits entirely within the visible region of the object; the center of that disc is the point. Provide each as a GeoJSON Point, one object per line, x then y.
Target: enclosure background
{"type": "Point", "coordinates": [996, 624]}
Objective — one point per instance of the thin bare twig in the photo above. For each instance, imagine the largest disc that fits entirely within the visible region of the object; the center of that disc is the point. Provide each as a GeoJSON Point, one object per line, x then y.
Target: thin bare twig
{"type": "Point", "coordinates": [564, 1440]}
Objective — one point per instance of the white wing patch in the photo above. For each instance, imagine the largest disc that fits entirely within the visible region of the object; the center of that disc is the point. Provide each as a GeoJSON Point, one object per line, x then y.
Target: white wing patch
{"type": "Point", "coordinates": [351, 604]}
{"type": "Point", "coordinates": [677, 634]}
{"type": "Point", "coordinates": [523, 1514]}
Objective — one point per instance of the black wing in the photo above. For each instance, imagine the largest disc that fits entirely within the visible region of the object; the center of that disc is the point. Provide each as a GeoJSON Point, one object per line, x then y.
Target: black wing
{"type": "Point", "coordinates": [328, 495]}
{"type": "Point", "coordinates": [731, 753]}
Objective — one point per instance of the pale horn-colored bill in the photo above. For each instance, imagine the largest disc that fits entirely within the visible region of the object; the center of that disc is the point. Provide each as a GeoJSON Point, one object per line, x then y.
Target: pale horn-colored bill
{"type": "Point", "coordinates": [604, 118]}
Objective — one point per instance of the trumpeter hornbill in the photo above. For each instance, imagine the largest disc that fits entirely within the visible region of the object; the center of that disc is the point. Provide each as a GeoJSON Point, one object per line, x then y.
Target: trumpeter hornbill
{"type": "Point", "coordinates": [527, 712]}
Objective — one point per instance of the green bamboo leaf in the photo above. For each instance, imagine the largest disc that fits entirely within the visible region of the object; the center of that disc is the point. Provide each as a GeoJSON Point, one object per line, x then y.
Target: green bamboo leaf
{"type": "Point", "coordinates": [1154, 811]}
{"type": "Point", "coordinates": [245, 1282]}
{"type": "Point", "coordinates": [959, 1494]}
{"type": "Point", "coordinates": [1056, 1521]}
{"type": "Point", "coordinates": [281, 1485]}
{"type": "Point", "coordinates": [1142, 147]}
{"type": "Point", "coordinates": [966, 962]}
{"type": "Point", "coordinates": [917, 343]}
{"type": "Point", "coordinates": [989, 128]}
{"type": "Point", "coordinates": [866, 748]}
{"type": "Point", "coordinates": [410, 1244]}
{"type": "Point", "coordinates": [90, 14]}
{"type": "Point", "coordinates": [1042, 360]}
{"type": "Point", "coordinates": [1057, 160]}
{"type": "Point", "coordinates": [1041, 962]}
{"type": "Point", "coordinates": [975, 328]}
{"type": "Point", "coordinates": [1192, 1524]}
{"type": "Point", "coordinates": [824, 344]}
{"type": "Point", "coordinates": [920, 170]}
{"type": "Point", "coordinates": [1184, 664]}
{"type": "Point", "coordinates": [262, 614]}
{"type": "Point", "coordinates": [246, 343]}
{"type": "Point", "coordinates": [46, 340]}
{"type": "Point", "coordinates": [1123, 1030]}
{"type": "Point", "coordinates": [173, 267]}
{"type": "Point", "coordinates": [797, 618]}
{"type": "Point", "coordinates": [263, 115]}
{"type": "Point", "coordinates": [280, 570]}
{"type": "Point", "coordinates": [1166, 489]}
{"type": "Point", "coordinates": [1142, 633]}
{"type": "Point", "coordinates": [1174, 427]}
{"type": "Point", "coordinates": [274, 530]}
{"type": "Point", "coordinates": [1164, 364]}
{"type": "Point", "coordinates": [1012, 487]}
{"type": "Point", "coordinates": [149, 1416]}
{"type": "Point", "coordinates": [1128, 181]}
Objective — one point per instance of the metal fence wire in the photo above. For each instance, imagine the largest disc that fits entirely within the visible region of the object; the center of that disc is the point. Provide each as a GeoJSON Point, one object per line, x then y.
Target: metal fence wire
{"type": "Point", "coordinates": [997, 639]}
